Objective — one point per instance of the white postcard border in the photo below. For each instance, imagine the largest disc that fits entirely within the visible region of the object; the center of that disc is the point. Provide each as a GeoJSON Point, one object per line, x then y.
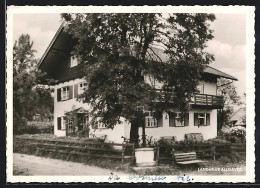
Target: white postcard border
{"type": "Point", "coordinates": [250, 90]}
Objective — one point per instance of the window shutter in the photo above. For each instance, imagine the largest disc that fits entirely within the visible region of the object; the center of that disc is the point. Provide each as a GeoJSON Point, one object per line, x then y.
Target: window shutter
{"type": "Point", "coordinates": [59, 94]}
{"type": "Point", "coordinates": [196, 119]}
{"type": "Point", "coordinates": [59, 123]}
{"type": "Point", "coordinates": [171, 119]}
{"type": "Point", "coordinates": [70, 92]}
{"type": "Point", "coordinates": [76, 91]}
{"type": "Point", "coordinates": [208, 119]}
{"type": "Point", "coordinates": [186, 121]}
{"type": "Point", "coordinates": [160, 121]}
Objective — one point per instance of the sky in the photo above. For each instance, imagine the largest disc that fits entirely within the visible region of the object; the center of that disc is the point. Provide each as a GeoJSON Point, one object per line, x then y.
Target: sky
{"type": "Point", "coordinates": [228, 45]}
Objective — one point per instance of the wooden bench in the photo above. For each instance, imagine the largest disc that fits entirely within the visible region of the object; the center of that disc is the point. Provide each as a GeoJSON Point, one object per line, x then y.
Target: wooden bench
{"type": "Point", "coordinates": [186, 158]}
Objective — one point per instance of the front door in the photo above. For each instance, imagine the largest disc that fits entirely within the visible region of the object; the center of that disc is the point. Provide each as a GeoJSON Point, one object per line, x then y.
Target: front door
{"type": "Point", "coordinates": [78, 126]}
{"type": "Point", "coordinates": [83, 124]}
{"type": "Point", "coordinates": [80, 121]}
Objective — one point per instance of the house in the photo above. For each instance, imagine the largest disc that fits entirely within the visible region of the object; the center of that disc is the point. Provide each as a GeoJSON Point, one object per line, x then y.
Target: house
{"type": "Point", "coordinates": [61, 66]}
{"type": "Point", "coordinates": [238, 118]}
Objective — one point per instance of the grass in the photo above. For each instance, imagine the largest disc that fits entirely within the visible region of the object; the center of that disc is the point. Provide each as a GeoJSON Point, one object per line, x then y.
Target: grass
{"type": "Point", "coordinates": [232, 161]}
{"type": "Point", "coordinates": [107, 163]}
{"type": "Point", "coordinates": [195, 169]}
{"type": "Point", "coordinates": [53, 137]}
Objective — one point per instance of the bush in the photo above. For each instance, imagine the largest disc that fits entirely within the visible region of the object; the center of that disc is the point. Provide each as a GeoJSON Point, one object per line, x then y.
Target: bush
{"type": "Point", "coordinates": [236, 157]}
{"type": "Point", "coordinates": [193, 137]}
{"type": "Point", "coordinates": [239, 133]}
{"type": "Point", "coordinates": [166, 141]}
{"type": "Point", "coordinates": [18, 123]}
{"type": "Point", "coordinates": [150, 142]}
{"type": "Point", "coordinates": [224, 159]}
{"type": "Point", "coordinates": [83, 133]}
{"type": "Point", "coordinates": [236, 135]}
{"type": "Point", "coordinates": [35, 129]}
{"type": "Point", "coordinates": [215, 141]}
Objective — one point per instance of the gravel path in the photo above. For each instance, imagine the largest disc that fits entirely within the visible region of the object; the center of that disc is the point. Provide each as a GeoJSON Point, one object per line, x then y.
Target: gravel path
{"type": "Point", "coordinates": [33, 165]}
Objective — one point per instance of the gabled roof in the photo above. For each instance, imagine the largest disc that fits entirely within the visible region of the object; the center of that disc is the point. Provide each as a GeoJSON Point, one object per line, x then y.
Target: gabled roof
{"type": "Point", "coordinates": [211, 70]}
{"type": "Point", "coordinates": [80, 110]}
{"type": "Point", "coordinates": [50, 45]}
{"type": "Point", "coordinates": [62, 44]}
{"type": "Point", "coordinates": [157, 53]}
{"type": "Point", "coordinates": [59, 48]}
{"type": "Point", "coordinates": [238, 114]}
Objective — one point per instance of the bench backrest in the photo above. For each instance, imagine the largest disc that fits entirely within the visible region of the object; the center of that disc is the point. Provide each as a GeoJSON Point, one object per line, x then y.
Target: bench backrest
{"type": "Point", "coordinates": [185, 156]}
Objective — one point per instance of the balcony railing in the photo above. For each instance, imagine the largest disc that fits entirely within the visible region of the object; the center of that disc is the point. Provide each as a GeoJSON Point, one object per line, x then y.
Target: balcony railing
{"type": "Point", "coordinates": [212, 101]}
{"type": "Point", "coordinates": [207, 100]}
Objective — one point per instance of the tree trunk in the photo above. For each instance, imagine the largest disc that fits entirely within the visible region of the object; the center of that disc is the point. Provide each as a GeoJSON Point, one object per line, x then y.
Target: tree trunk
{"type": "Point", "coordinates": [221, 119]}
{"type": "Point", "coordinates": [134, 131]}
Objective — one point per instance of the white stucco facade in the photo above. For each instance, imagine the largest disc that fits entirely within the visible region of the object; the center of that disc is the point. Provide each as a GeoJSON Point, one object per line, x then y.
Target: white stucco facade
{"type": "Point", "coordinates": [210, 88]}
{"type": "Point", "coordinates": [209, 131]}
{"type": "Point", "coordinates": [123, 129]}
{"type": "Point", "coordinates": [61, 107]}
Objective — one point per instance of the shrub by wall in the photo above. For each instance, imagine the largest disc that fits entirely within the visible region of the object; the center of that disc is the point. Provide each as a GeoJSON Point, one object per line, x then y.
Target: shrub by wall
{"type": "Point", "coordinates": [235, 135]}
{"type": "Point", "coordinates": [35, 129]}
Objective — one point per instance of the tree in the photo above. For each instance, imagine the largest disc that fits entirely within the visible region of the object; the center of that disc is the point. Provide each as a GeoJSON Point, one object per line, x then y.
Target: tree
{"type": "Point", "coordinates": [119, 50]}
{"type": "Point", "coordinates": [45, 103]}
{"type": "Point", "coordinates": [28, 97]}
{"type": "Point", "coordinates": [23, 79]}
{"type": "Point", "coordinates": [231, 98]}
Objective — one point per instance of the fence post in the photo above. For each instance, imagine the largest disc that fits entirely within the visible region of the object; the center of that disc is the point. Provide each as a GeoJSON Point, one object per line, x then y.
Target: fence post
{"type": "Point", "coordinates": [123, 152]}
{"type": "Point", "coordinates": [157, 154]}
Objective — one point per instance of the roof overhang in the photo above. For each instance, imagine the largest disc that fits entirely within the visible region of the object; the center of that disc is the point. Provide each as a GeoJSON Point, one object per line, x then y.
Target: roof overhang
{"type": "Point", "coordinates": [218, 73]}
{"type": "Point", "coordinates": [62, 43]}
{"type": "Point", "coordinates": [57, 51]}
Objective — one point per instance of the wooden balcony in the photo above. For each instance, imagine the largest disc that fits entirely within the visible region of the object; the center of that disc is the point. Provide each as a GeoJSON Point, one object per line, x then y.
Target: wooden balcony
{"type": "Point", "coordinates": [207, 100]}
{"type": "Point", "coordinates": [201, 100]}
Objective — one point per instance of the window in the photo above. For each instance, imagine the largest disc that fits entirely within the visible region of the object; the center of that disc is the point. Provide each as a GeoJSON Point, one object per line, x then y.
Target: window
{"type": "Point", "coordinates": [201, 119]}
{"type": "Point", "coordinates": [79, 89]}
{"type": "Point", "coordinates": [64, 93]}
{"type": "Point", "coordinates": [175, 119]}
{"type": "Point", "coordinates": [150, 121]}
{"type": "Point", "coordinates": [61, 123]}
{"type": "Point", "coordinates": [178, 122]}
{"type": "Point", "coordinates": [200, 89]}
{"type": "Point", "coordinates": [82, 87]}
{"type": "Point", "coordinates": [73, 61]}
{"type": "Point", "coordinates": [100, 125]}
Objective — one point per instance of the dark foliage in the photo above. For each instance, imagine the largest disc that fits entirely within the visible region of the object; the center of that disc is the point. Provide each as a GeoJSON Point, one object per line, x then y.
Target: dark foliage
{"type": "Point", "coordinates": [119, 51]}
